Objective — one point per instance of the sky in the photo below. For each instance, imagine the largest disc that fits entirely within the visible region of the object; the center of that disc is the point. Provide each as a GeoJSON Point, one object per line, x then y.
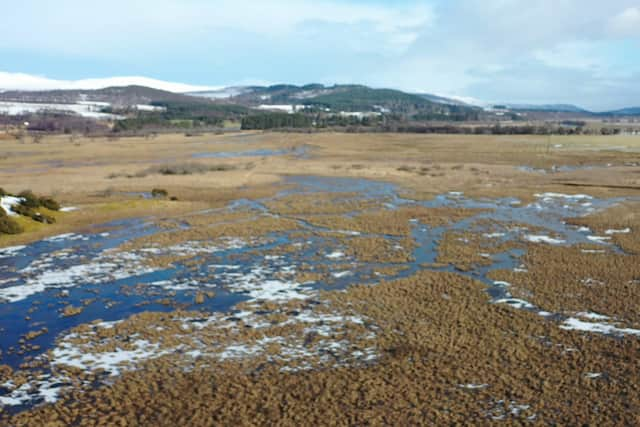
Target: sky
{"type": "Point", "coordinates": [584, 52]}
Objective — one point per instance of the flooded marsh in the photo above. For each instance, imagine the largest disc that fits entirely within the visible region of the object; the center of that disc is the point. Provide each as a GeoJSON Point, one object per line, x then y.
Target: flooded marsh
{"type": "Point", "coordinates": [356, 296]}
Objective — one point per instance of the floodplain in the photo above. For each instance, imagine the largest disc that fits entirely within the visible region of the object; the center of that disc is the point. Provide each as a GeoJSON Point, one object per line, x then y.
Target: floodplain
{"type": "Point", "coordinates": [362, 278]}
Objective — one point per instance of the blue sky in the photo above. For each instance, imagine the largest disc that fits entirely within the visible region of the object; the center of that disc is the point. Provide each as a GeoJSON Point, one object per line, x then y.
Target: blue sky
{"type": "Point", "coordinates": [585, 52]}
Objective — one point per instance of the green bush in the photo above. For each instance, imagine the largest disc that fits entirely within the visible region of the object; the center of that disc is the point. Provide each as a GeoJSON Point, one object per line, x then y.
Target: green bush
{"type": "Point", "coordinates": [49, 203]}
{"type": "Point", "coordinates": [159, 192]}
{"type": "Point", "coordinates": [27, 207]}
{"type": "Point", "coordinates": [187, 169]}
{"type": "Point", "coordinates": [276, 120]}
{"type": "Point", "coordinates": [8, 225]}
{"type": "Point", "coordinates": [3, 193]}
{"type": "Point", "coordinates": [23, 210]}
{"type": "Point", "coordinates": [31, 213]}
{"type": "Point", "coordinates": [30, 199]}
{"type": "Point", "coordinates": [45, 219]}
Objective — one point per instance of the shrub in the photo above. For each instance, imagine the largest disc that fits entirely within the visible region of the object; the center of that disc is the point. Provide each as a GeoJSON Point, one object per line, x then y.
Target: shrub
{"type": "Point", "coordinates": [23, 210]}
{"type": "Point", "coordinates": [31, 213]}
{"type": "Point", "coordinates": [221, 168]}
{"type": "Point", "coordinates": [187, 169]}
{"type": "Point", "coordinates": [405, 168]}
{"type": "Point", "coordinates": [30, 199]}
{"type": "Point", "coordinates": [3, 193]}
{"type": "Point", "coordinates": [159, 192]}
{"type": "Point", "coordinates": [49, 203]}
{"type": "Point", "coordinates": [8, 225]}
{"type": "Point", "coordinates": [45, 219]}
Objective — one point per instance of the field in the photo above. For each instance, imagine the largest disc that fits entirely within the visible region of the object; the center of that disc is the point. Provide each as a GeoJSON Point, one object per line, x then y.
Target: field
{"type": "Point", "coordinates": [290, 278]}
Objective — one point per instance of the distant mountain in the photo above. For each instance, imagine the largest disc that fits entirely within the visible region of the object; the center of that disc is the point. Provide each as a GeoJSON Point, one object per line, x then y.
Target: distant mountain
{"type": "Point", "coordinates": [551, 108]}
{"type": "Point", "coordinates": [570, 109]}
{"type": "Point", "coordinates": [345, 98]}
{"type": "Point", "coordinates": [269, 95]}
{"type": "Point", "coordinates": [445, 100]}
{"type": "Point", "coordinates": [363, 98]}
{"type": "Point", "coordinates": [313, 98]}
{"type": "Point", "coordinates": [631, 111]}
{"type": "Point", "coordinates": [116, 96]}
{"type": "Point", "coordinates": [283, 97]}
{"type": "Point", "coordinates": [223, 93]}
{"type": "Point", "coordinates": [28, 82]}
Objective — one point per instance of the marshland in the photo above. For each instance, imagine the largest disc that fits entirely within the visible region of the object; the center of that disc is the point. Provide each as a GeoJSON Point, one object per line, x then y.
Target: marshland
{"type": "Point", "coordinates": [370, 278]}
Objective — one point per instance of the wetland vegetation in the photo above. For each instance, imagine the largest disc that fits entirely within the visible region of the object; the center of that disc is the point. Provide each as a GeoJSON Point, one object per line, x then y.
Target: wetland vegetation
{"type": "Point", "coordinates": [376, 279]}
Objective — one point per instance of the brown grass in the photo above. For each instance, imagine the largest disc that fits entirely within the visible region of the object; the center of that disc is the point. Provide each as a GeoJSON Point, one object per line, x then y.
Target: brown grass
{"type": "Point", "coordinates": [437, 333]}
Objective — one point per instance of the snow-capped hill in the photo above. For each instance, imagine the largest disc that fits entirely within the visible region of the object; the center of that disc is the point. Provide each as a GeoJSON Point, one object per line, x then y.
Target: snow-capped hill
{"type": "Point", "coordinates": [28, 82]}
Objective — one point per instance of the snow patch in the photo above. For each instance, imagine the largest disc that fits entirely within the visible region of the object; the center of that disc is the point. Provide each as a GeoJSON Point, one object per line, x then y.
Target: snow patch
{"type": "Point", "coordinates": [543, 239]}
{"type": "Point", "coordinates": [66, 236]}
{"type": "Point", "coordinates": [8, 202]}
{"type": "Point", "coordinates": [67, 354]}
{"type": "Point", "coordinates": [550, 196]}
{"type": "Point", "coordinates": [598, 239]}
{"type": "Point", "coordinates": [493, 235]}
{"type": "Point", "coordinates": [335, 255]}
{"type": "Point", "coordinates": [623, 231]}
{"type": "Point", "coordinates": [573, 324]}
{"type": "Point", "coordinates": [341, 274]}
{"type": "Point", "coordinates": [516, 303]}
{"type": "Point", "coordinates": [10, 251]}
{"type": "Point", "coordinates": [592, 316]}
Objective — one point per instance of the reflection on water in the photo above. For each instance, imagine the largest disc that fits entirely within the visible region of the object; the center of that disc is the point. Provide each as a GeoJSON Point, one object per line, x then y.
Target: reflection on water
{"type": "Point", "coordinates": [300, 152]}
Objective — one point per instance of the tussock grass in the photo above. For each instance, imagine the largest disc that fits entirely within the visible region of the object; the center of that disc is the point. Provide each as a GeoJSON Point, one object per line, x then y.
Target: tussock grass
{"type": "Point", "coordinates": [189, 169]}
{"type": "Point", "coordinates": [177, 169]}
{"type": "Point", "coordinates": [159, 192]}
{"type": "Point", "coordinates": [8, 225]}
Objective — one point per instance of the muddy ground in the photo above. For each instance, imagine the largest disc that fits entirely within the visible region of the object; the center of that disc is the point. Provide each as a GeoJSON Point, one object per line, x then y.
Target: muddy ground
{"type": "Point", "coordinates": [333, 279]}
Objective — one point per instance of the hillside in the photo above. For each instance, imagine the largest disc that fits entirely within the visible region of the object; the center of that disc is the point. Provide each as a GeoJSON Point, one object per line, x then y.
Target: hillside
{"type": "Point", "coordinates": [631, 111]}
{"type": "Point", "coordinates": [362, 98]}
{"type": "Point", "coordinates": [552, 108]}
{"type": "Point", "coordinates": [116, 96]}
{"type": "Point", "coordinates": [344, 98]}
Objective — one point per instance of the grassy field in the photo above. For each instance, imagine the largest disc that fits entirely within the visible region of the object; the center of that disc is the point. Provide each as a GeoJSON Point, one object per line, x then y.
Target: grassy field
{"type": "Point", "coordinates": [94, 173]}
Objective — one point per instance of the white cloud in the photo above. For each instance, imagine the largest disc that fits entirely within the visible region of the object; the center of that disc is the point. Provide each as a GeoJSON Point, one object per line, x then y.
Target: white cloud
{"type": "Point", "coordinates": [626, 23]}
{"type": "Point", "coordinates": [580, 51]}
{"type": "Point", "coordinates": [106, 28]}
{"type": "Point", "coordinates": [579, 54]}
{"type": "Point", "coordinates": [20, 81]}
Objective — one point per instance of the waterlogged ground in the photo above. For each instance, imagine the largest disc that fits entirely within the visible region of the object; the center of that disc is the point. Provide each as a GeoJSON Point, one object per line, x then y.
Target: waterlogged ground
{"type": "Point", "coordinates": [299, 152]}
{"type": "Point", "coordinates": [317, 280]}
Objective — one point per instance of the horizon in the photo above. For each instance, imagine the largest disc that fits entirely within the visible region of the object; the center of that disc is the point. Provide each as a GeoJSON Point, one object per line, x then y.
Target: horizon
{"type": "Point", "coordinates": [42, 84]}
{"type": "Point", "coordinates": [586, 53]}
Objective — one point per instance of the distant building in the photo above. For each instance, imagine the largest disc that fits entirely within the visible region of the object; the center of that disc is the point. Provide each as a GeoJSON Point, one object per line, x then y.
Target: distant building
{"type": "Point", "coordinates": [144, 107]}
{"type": "Point", "coordinates": [498, 110]}
{"type": "Point", "coordinates": [360, 114]}
{"type": "Point", "coordinates": [284, 108]}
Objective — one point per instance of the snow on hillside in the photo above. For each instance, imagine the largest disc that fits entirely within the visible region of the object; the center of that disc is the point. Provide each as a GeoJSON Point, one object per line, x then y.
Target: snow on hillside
{"type": "Point", "coordinates": [21, 81]}
{"type": "Point", "coordinates": [84, 109]}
